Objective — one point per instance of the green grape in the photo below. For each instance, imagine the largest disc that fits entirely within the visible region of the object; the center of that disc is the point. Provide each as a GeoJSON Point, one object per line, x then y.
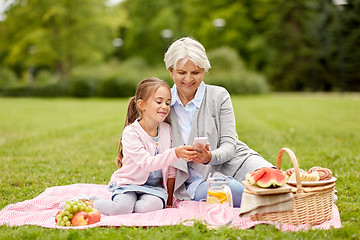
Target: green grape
{"type": "Point", "coordinates": [75, 208]}
{"type": "Point", "coordinates": [72, 203]}
{"type": "Point", "coordinates": [67, 213]}
{"type": "Point", "coordinates": [61, 223]}
{"type": "Point", "coordinates": [68, 223]}
{"type": "Point", "coordinates": [66, 218]}
{"type": "Point", "coordinates": [81, 208]}
{"type": "Point", "coordinates": [71, 216]}
{"type": "Point", "coordinates": [68, 201]}
{"type": "Point", "coordinates": [67, 207]}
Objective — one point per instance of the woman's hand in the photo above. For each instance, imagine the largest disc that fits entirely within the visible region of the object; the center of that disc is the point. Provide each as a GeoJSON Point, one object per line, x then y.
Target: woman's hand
{"type": "Point", "coordinates": [187, 153]}
{"type": "Point", "coordinates": [203, 155]}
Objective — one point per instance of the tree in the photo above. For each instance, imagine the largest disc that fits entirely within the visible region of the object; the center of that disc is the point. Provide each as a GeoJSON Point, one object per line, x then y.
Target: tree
{"type": "Point", "coordinates": [56, 34]}
{"type": "Point", "coordinates": [292, 59]}
{"type": "Point", "coordinates": [294, 43]}
{"type": "Point", "coordinates": [143, 36]}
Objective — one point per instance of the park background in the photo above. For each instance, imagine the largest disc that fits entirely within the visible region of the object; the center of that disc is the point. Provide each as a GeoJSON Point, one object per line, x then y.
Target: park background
{"type": "Point", "coordinates": [104, 48]}
{"type": "Point", "coordinates": [291, 67]}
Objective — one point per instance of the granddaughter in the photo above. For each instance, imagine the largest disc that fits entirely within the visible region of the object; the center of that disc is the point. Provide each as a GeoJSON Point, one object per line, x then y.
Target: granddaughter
{"type": "Point", "coordinates": [144, 179]}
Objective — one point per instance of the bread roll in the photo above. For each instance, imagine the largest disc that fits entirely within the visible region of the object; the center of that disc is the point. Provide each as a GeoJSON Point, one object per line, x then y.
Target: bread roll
{"type": "Point", "coordinates": [290, 171]}
{"type": "Point", "coordinates": [306, 177]}
{"type": "Point", "coordinates": [324, 173]}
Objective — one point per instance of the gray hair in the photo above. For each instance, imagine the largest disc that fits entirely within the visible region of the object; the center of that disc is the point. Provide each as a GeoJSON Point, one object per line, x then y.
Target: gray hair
{"type": "Point", "coordinates": [185, 49]}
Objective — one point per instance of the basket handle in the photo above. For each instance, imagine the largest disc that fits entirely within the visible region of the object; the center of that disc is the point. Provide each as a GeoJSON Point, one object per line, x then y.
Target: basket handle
{"type": "Point", "coordinates": [295, 164]}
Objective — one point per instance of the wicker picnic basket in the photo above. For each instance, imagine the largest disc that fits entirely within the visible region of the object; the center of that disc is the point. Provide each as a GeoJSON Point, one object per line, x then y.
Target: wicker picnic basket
{"type": "Point", "coordinates": [310, 205]}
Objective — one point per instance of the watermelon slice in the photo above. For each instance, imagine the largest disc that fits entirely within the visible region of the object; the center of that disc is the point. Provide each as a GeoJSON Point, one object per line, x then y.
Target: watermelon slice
{"type": "Point", "coordinates": [267, 177]}
{"type": "Point", "coordinates": [253, 177]}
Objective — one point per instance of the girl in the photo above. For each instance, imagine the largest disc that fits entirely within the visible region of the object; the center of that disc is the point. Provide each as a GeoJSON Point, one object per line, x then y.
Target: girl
{"type": "Point", "coordinates": [145, 154]}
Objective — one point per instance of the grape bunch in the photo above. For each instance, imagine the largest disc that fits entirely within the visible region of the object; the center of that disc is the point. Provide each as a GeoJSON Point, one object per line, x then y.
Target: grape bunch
{"type": "Point", "coordinates": [64, 217]}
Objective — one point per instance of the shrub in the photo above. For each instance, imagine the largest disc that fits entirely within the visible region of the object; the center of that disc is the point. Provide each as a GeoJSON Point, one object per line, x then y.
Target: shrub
{"type": "Point", "coordinates": [59, 89]}
{"type": "Point", "coordinates": [232, 82]}
{"type": "Point", "coordinates": [46, 77]}
{"type": "Point", "coordinates": [256, 83]}
{"type": "Point", "coordinates": [225, 59]}
{"type": "Point", "coordinates": [17, 91]}
{"type": "Point", "coordinates": [116, 87]}
{"type": "Point", "coordinates": [134, 64]}
{"type": "Point", "coordinates": [81, 87]}
{"type": "Point", "coordinates": [7, 77]}
{"type": "Point", "coordinates": [119, 79]}
{"type": "Point", "coordinates": [228, 70]}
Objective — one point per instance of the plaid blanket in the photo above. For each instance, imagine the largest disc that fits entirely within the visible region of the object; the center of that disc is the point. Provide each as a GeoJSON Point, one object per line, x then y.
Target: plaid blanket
{"type": "Point", "coordinates": [42, 209]}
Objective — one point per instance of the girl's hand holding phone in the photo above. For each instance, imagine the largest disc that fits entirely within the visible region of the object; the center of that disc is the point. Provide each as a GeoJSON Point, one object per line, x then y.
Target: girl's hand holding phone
{"type": "Point", "coordinates": [187, 153]}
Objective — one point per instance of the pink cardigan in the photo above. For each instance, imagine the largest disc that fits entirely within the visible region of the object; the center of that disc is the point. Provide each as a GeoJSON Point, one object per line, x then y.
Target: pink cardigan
{"type": "Point", "coordinates": [139, 159]}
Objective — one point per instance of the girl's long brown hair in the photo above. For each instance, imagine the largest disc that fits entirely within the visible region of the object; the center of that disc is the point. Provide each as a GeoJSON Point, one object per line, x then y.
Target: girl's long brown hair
{"type": "Point", "coordinates": [144, 90]}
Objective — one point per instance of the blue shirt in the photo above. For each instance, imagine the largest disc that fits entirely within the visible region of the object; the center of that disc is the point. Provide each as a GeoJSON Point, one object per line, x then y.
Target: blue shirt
{"type": "Point", "coordinates": [186, 115]}
{"type": "Point", "coordinates": [155, 177]}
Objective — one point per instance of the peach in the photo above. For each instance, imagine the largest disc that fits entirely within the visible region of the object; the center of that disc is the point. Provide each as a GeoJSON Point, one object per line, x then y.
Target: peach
{"type": "Point", "coordinates": [80, 219]}
{"type": "Point", "coordinates": [94, 216]}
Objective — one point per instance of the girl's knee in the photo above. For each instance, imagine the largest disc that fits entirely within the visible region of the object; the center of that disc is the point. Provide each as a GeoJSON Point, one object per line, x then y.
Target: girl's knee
{"type": "Point", "coordinates": [123, 209]}
{"type": "Point", "coordinates": [148, 203]}
{"type": "Point", "coordinates": [111, 208]}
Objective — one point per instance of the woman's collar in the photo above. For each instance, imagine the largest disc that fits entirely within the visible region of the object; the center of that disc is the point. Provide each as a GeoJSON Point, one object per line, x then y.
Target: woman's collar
{"type": "Point", "coordinates": [199, 95]}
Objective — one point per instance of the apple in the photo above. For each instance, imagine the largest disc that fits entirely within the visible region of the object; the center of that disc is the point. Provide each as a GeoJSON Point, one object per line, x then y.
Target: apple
{"type": "Point", "coordinates": [80, 219]}
{"type": "Point", "coordinates": [56, 215]}
{"type": "Point", "coordinates": [94, 216]}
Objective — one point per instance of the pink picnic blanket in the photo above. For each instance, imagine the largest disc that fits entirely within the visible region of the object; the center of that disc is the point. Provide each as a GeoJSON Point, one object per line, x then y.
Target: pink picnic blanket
{"type": "Point", "coordinates": [42, 209]}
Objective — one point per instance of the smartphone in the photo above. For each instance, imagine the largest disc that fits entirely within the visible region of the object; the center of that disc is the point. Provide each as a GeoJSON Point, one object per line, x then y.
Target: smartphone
{"type": "Point", "coordinates": [200, 140]}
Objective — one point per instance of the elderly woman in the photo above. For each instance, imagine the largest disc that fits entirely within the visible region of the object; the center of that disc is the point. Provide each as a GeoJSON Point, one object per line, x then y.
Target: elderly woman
{"type": "Point", "coordinates": [201, 110]}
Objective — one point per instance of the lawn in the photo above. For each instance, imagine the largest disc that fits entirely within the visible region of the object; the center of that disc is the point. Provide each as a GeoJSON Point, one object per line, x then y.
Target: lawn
{"type": "Point", "coordinates": [52, 142]}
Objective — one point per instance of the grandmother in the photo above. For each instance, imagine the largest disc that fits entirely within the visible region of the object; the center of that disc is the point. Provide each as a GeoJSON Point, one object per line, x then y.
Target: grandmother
{"type": "Point", "coordinates": [201, 110]}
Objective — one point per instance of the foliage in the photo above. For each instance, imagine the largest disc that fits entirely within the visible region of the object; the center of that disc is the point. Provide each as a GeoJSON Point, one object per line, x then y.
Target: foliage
{"type": "Point", "coordinates": [7, 77]}
{"type": "Point", "coordinates": [294, 54]}
{"type": "Point", "coordinates": [296, 45]}
{"type": "Point", "coordinates": [116, 87]}
{"type": "Point", "coordinates": [230, 72]}
{"type": "Point", "coordinates": [46, 77]}
{"type": "Point", "coordinates": [81, 87]}
{"type": "Point", "coordinates": [58, 35]}
{"type": "Point", "coordinates": [119, 79]}
{"type": "Point", "coordinates": [67, 141]}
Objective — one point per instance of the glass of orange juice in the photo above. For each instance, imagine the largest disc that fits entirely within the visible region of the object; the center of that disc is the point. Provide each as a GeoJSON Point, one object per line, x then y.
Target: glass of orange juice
{"type": "Point", "coordinates": [218, 189]}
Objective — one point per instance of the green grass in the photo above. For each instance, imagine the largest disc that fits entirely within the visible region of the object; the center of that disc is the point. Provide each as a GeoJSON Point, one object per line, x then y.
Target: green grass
{"type": "Point", "coordinates": [51, 142]}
